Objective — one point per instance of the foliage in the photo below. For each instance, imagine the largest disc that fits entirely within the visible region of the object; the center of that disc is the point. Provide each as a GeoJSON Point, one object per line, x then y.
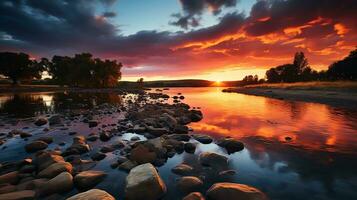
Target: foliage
{"type": "Point", "coordinates": [345, 69]}
{"type": "Point", "coordinates": [19, 66]}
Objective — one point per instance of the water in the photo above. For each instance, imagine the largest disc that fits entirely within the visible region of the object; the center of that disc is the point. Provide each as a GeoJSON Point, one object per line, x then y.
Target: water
{"type": "Point", "coordinates": [294, 150]}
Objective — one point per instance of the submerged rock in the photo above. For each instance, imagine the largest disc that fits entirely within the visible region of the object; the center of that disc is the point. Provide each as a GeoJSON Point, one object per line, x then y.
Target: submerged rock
{"type": "Point", "coordinates": [35, 146]}
{"type": "Point", "coordinates": [182, 169]}
{"type": "Point", "coordinates": [204, 139]}
{"type": "Point", "coordinates": [79, 146]}
{"type": "Point", "coordinates": [142, 154]}
{"type": "Point", "coordinates": [188, 184]}
{"type": "Point", "coordinates": [231, 145]}
{"type": "Point", "coordinates": [93, 194]}
{"type": "Point", "coordinates": [234, 191]}
{"type": "Point", "coordinates": [11, 177]}
{"type": "Point", "coordinates": [88, 179]}
{"type": "Point", "coordinates": [213, 159]}
{"type": "Point", "coordinates": [143, 182]}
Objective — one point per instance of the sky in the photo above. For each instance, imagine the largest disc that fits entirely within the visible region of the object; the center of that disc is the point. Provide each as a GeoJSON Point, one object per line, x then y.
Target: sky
{"type": "Point", "coordinates": [216, 40]}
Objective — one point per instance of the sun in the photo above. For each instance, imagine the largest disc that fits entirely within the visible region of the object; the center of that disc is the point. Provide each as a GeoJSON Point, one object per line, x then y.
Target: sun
{"type": "Point", "coordinates": [218, 83]}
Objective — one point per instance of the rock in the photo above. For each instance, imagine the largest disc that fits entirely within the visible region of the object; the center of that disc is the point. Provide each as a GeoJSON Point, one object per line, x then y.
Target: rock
{"type": "Point", "coordinates": [45, 159]}
{"type": "Point", "coordinates": [190, 147]}
{"type": "Point", "coordinates": [93, 194]}
{"type": "Point", "coordinates": [213, 159]}
{"type": "Point", "coordinates": [204, 139]}
{"type": "Point", "coordinates": [104, 136]}
{"type": "Point", "coordinates": [139, 129]}
{"type": "Point", "coordinates": [46, 139]}
{"type": "Point", "coordinates": [143, 182]}
{"type": "Point", "coordinates": [182, 169]}
{"type": "Point", "coordinates": [88, 179]}
{"type": "Point", "coordinates": [98, 156]}
{"type": "Point", "coordinates": [19, 195]}
{"type": "Point", "coordinates": [135, 138]}
{"type": "Point", "coordinates": [106, 149]}
{"type": "Point", "coordinates": [54, 120]}
{"type": "Point", "coordinates": [231, 145]}
{"type": "Point", "coordinates": [180, 137]}
{"type": "Point", "coordinates": [157, 131]}
{"type": "Point", "coordinates": [11, 177]}
{"type": "Point", "coordinates": [7, 188]}
{"type": "Point", "coordinates": [41, 121]}
{"type": "Point", "coordinates": [35, 146]}
{"type": "Point", "coordinates": [181, 129]}
{"type": "Point", "coordinates": [59, 184]}
{"type": "Point", "coordinates": [234, 191]}
{"type": "Point", "coordinates": [142, 154]}
{"type": "Point", "coordinates": [55, 169]}
{"type": "Point", "coordinates": [189, 184]}
{"type": "Point", "coordinates": [196, 115]}
{"type": "Point", "coordinates": [92, 123]}
{"type": "Point", "coordinates": [194, 196]}
{"type": "Point", "coordinates": [79, 146]}
{"type": "Point", "coordinates": [25, 135]}
{"type": "Point", "coordinates": [127, 165]}
{"type": "Point", "coordinates": [168, 120]}
{"type": "Point", "coordinates": [92, 138]}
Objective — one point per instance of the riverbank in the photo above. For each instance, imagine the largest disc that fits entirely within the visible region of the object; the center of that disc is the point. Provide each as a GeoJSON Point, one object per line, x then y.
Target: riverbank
{"type": "Point", "coordinates": [340, 93]}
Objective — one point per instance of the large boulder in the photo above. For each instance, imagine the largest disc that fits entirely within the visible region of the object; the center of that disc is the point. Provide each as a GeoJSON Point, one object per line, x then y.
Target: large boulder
{"type": "Point", "coordinates": [19, 195]}
{"type": "Point", "coordinates": [93, 194]}
{"type": "Point", "coordinates": [35, 146]}
{"type": "Point", "coordinates": [88, 179]}
{"type": "Point", "coordinates": [59, 184]}
{"type": "Point", "coordinates": [194, 196]}
{"type": "Point", "coordinates": [143, 182]}
{"type": "Point", "coordinates": [234, 191]}
{"type": "Point", "coordinates": [189, 184]}
{"type": "Point", "coordinates": [231, 145]}
{"type": "Point", "coordinates": [213, 159]}
{"type": "Point", "coordinates": [55, 169]}
{"type": "Point", "coordinates": [45, 159]}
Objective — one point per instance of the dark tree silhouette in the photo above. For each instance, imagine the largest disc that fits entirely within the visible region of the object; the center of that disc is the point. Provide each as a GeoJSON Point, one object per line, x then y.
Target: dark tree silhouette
{"type": "Point", "coordinates": [18, 66]}
{"type": "Point", "coordinates": [345, 69]}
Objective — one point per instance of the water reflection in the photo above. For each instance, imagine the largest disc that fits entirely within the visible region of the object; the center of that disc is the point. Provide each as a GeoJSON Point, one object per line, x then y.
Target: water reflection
{"type": "Point", "coordinates": [294, 150]}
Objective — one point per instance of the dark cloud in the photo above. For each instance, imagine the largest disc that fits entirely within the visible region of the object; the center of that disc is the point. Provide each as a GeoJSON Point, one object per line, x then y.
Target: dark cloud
{"type": "Point", "coordinates": [193, 8]}
{"type": "Point", "coordinates": [275, 15]}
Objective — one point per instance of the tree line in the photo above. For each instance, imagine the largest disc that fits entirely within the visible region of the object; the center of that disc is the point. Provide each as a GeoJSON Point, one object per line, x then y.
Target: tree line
{"type": "Point", "coordinates": [300, 71]}
{"type": "Point", "coordinates": [81, 70]}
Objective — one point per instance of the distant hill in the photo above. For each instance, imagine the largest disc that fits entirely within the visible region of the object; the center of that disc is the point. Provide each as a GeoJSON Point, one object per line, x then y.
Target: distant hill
{"type": "Point", "coordinates": [183, 83]}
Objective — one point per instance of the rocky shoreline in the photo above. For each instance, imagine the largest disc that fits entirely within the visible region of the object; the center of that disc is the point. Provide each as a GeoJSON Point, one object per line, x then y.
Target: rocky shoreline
{"type": "Point", "coordinates": [52, 168]}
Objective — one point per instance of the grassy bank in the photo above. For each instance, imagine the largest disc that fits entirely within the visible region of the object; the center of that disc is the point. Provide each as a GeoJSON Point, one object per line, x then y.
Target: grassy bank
{"type": "Point", "coordinates": [340, 93]}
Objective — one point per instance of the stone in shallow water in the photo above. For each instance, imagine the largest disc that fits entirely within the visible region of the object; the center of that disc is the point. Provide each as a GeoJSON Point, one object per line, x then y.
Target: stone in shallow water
{"type": "Point", "coordinates": [231, 145]}
{"type": "Point", "coordinates": [234, 191]}
{"type": "Point", "coordinates": [204, 139]}
{"type": "Point", "coordinates": [213, 159]}
{"type": "Point", "coordinates": [61, 183]}
{"type": "Point", "coordinates": [182, 169]}
{"type": "Point", "coordinates": [88, 179]}
{"type": "Point", "coordinates": [188, 184]}
{"type": "Point", "coordinates": [93, 194]}
{"type": "Point", "coordinates": [35, 146]}
{"type": "Point", "coordinates": [41, 121]}
{"type": "Point", "coordinates": [18, 195]}
{"type": "Point", "coordinates": [143, 182]}
{"type": "Point", "coordinates": [55, 169]}
{"type": "Point", "coordinates": [194, 196]}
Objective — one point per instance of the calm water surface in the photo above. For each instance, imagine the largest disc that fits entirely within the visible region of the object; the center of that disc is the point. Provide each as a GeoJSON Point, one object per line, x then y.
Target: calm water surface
{"type": "Point", "coordinates": [294, 150]}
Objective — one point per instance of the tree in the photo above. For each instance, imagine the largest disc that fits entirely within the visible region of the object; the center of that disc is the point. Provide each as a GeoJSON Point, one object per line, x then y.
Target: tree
{"type": "Point", "coordinates": [300, 62]}
{"type": "Point", "coordinates": [344, 69]}
{"type": "Point", "coordinates": [18, 66]}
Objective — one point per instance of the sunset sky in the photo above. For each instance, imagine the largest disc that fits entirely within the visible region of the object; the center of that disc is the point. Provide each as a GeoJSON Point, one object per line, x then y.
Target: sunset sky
{"type": "Point", "coordinates": [179, 39]}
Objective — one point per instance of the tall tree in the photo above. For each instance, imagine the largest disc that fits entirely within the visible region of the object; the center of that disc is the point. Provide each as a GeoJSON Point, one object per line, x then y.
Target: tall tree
{"type": "Point", "coordinates": [19, 66]}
